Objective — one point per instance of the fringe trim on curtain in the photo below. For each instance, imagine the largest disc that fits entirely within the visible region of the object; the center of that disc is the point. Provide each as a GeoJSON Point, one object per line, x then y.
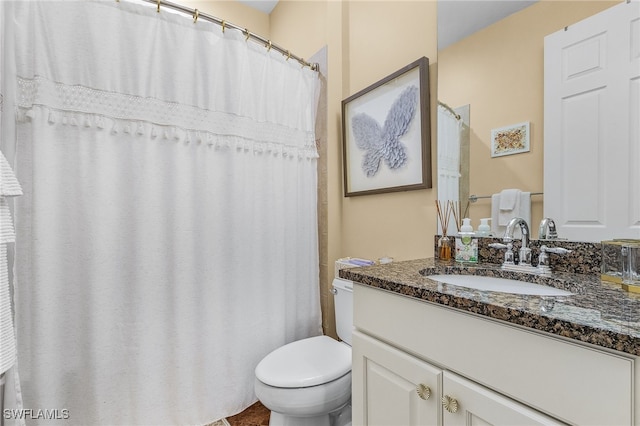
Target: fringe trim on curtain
{"type": "Point", "coordinates": [134, 115]}
{"type": "Point", "coordinates": [173, 133]}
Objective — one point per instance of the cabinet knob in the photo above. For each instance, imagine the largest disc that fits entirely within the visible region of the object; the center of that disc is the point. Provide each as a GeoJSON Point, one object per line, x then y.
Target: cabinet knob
{"type": "Point", "coordinates": [423, 391]}
{"type": "Point", "coordinates": [450, 404]}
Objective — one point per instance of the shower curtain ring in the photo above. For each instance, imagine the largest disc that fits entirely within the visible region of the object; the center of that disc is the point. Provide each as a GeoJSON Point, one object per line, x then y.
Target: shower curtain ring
{"type": "Point", "coordinates": [288, 55]}
{"type": "Point", "coordinates": [223, 25]}
{"type": "Point", "coordinates": [158, 9]}
{"type": "Point", "coordinates": [246, 34]}
{"type": "Point", "coordinates": [196, 14]}
{"type": "Point", "coordinates": [268, 46]}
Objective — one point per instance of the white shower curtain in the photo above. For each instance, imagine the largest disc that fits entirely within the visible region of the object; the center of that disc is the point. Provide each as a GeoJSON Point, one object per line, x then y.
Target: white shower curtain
{"type": "Point", "coordinates": [167, 238]}
{"type": "Point", "coordinates": [449, 134]}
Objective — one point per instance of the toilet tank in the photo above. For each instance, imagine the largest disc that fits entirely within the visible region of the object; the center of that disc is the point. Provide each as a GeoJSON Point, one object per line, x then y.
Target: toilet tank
{"type": "Point", "coordinates": [343, 301]}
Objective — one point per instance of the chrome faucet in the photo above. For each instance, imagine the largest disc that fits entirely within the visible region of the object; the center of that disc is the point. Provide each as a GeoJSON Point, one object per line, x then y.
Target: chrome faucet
{"type": "Point", "coordinates": [544, 261]}
{"type": "Point", "coordinates": [525, 251]}
{"type": "Point", "coordinates": [547, 225]}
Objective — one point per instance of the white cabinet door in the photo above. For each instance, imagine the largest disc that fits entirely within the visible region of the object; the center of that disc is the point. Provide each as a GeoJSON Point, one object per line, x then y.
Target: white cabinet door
{"type": "Point", "coordinates": [391, 388]}
{"type": "Point", "coordinates": [591, 126]}
{"type": "Point", "coordinates": [475, 405]}
{"type": "Point", "coordinates": [386, 383]}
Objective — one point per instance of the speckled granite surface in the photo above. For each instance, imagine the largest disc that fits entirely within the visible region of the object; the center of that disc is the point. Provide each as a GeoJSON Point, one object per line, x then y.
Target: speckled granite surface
{"type": "Point", "coordinates": [598, 312]}
{"type": "Point", "coordinates": [585, 258]}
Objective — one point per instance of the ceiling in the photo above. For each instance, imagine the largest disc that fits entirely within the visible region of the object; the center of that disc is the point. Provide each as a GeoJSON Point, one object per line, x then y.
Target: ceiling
{"type": "Point", "coordinates": [265, 6]}
{"type": "Point", "coordinates": [457, 19]}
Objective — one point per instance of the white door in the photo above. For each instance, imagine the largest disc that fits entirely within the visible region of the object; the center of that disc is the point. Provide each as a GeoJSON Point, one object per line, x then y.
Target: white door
{"type": "Point", "coordinates": [469, 404]}
{"type": "Point", "coordinates": [591, 126]}
{"type": "Point", "coordinates": [391, 387]}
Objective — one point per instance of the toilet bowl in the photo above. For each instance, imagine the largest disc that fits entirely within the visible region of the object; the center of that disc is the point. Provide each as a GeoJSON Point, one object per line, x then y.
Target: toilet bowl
{"type": "Point", "coordinates": [308, 382]}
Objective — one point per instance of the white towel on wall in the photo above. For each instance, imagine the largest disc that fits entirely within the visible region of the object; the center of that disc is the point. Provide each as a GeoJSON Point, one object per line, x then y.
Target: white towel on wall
{"type": "Point", "coordinates": [509, 201]}
{"type": "Point", "coordinates": [505, 206]}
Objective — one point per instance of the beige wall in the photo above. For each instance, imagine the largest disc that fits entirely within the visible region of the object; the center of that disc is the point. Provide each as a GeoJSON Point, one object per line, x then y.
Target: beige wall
{"type": "Point", "coordinates": [380, 38]}
{"type": "Point", "coordinates": [499, 72]}
{"type": "Point", "coordinates": [367, 40]}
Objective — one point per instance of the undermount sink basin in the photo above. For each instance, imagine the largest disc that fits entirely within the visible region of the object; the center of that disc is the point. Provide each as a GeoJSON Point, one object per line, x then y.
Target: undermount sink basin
{"type": "Point", "coordinates": [502, 285]}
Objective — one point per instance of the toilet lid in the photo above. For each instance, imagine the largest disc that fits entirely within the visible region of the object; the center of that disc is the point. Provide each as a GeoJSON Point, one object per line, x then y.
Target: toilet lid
{"type": "Point", "coordinates": [304, 363]}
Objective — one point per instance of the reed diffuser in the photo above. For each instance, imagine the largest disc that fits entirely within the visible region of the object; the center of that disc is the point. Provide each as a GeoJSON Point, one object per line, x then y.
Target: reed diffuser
{"type": "Point", "coordinates": [444, 243]}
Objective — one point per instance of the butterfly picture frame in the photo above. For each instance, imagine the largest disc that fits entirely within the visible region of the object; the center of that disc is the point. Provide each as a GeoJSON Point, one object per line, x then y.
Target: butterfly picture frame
{"type": "Point", "coordinates": [386, 134]}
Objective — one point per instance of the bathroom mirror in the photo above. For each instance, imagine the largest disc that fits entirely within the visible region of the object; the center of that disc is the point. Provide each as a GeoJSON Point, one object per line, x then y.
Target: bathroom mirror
{"type": "Point", "coordinates": [459, 107]}
{"type": "Point", "coordinates": [490, 60]}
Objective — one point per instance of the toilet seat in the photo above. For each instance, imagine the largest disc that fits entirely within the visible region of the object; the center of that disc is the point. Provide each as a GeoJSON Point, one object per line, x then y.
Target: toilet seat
{"type": "Point", "coordinates": [304, 363]}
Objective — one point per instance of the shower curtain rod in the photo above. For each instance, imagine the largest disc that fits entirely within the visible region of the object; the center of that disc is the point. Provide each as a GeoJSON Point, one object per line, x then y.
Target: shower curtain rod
{"type": "Point", "coordinates": [196, 14]}
{"type": "Point", "coordinates": [448, 108]}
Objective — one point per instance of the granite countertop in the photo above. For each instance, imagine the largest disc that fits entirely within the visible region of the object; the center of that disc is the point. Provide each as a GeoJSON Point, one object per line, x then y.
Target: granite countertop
{"type": "Point", "coordinates": [598, 312]}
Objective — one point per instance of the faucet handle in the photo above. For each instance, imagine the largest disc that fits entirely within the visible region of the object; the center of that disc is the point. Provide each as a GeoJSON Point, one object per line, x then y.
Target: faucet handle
{"type": "Point", "coordinates": [498, 245]}
{"type": "Point", "coordinates": [556, 250]}
{"type": "Point", "coordinates": [508, 255]}
{"type": "Point", "coordinates": [544, 263]}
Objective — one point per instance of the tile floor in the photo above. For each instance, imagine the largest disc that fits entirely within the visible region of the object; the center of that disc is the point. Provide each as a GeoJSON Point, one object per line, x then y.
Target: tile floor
{"type": "Point", "coordinates": [255, 415]}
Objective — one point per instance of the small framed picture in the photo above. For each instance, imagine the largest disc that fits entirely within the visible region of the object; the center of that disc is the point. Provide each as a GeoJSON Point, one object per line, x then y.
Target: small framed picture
{"type": "Point", "coordinates": [508, 140]}
{"type": "Point", "coordinates": [386, 134]}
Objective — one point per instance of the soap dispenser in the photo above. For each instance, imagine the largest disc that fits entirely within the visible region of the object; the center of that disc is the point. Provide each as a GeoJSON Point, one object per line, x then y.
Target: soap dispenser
{"type": "Point", "coordinates": [466, 243]}
{"type": "Point", "coordinates": [484, 230]}
{"type": "Point", "coordinates": [466, 227]}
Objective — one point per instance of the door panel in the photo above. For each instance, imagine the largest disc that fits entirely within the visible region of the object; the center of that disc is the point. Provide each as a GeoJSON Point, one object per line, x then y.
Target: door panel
{"type": "Point", "coordinates": [385, 386]}
{"type": "Point", "coordinates": [478, 406]}
{"type": "Point", "coordinates": [591, 136]}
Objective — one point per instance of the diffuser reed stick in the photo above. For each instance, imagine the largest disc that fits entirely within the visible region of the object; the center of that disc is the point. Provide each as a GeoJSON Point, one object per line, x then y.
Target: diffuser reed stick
{"type": "Point", "coordinates": [455, 208]}
{"type": "Point", "coordinates": [443, 215]}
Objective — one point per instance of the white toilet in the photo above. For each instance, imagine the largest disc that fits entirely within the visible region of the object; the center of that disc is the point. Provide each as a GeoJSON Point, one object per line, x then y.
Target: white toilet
{"type": "Point", "coordinates": [308, 382]}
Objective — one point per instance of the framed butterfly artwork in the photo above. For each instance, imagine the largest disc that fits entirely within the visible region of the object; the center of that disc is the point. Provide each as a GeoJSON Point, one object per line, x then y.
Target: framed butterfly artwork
{"type": "Point", "coordinates": [386, 134]}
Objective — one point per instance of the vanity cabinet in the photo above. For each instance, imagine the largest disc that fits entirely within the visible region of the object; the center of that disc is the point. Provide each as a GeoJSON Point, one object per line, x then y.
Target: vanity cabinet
{"type": "Point", "coordinates": [395, 388]}
{"type": "Point", "coordinates": [498, 373]}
